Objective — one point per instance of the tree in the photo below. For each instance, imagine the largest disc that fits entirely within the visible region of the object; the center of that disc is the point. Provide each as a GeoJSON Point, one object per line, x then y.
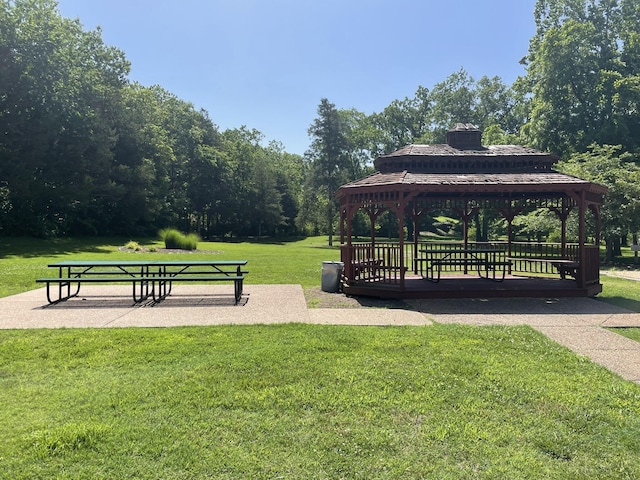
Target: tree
{"type": "Point", "coordinates": [583, 71]}
{"type": "Point", "coordinates": [328, 159]}
{"type": "Point", "coordinates": [619, 172]}
{"type": "Point", "coordinates": [59, 97]}
{"type": "Point", "coordinates": [461, 99]}
{"type": "Point", "coordinates": [401, 123]}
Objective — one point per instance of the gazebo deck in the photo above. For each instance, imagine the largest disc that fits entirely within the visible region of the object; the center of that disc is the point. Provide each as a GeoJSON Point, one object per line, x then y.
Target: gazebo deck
{"type": "Point", "coordinates": [471, 286]}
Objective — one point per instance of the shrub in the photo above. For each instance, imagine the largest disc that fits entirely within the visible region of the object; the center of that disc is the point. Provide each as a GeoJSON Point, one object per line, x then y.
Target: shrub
{"type": "Point", "coordinates": [173, 238]}
{"type": "Point", "coordinates": [190, 242]}
{"type": "Point", "coordinates": [131, 245]}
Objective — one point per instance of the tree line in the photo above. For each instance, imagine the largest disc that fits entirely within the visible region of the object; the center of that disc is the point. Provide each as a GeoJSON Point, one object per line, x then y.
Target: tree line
{"type": "Point", "coordinates": [86, 151]}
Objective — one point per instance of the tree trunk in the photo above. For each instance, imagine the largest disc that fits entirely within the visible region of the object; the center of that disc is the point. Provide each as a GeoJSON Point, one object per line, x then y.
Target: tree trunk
{"type": "Point", "coordinates": [609, 249]}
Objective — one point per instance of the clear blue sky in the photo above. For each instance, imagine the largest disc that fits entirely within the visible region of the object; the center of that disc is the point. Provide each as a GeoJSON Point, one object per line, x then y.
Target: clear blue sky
{"type": "Point", "coordinates": [267, 64]}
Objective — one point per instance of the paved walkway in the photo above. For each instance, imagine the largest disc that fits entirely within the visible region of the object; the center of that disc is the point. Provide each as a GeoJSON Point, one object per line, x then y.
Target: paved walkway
{"type": "Point", "coordinates": [576, 323]}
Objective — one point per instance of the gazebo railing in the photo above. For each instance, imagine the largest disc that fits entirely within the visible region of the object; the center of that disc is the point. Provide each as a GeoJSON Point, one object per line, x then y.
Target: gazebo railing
{"type": "Point", "coordinates": [592, 265]}
{"type": "Point", "coordinates": [377, 262]}
{"type": "Point", "coordinates": [382, 262]}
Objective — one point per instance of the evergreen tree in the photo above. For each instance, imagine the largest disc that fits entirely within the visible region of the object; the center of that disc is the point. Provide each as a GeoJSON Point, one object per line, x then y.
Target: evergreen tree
{"type": "Point", "coordinates": [328, 159]}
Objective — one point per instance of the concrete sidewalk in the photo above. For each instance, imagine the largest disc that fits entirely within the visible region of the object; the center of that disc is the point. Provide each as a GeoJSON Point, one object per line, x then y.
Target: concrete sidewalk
{"type": "Point", "coordinates": [576, 323]}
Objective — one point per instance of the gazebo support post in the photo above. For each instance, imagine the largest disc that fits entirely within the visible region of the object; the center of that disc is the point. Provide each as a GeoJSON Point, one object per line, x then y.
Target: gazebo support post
{"type": "Point", "coordinates": [416, 215]}
{"type": "Point", "coordinates": [401, 243]}
{"type": "Point", "coordinates": [582, 239]}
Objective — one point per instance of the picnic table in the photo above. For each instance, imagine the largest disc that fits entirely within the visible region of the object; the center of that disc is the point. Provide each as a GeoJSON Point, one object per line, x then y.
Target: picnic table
{"type": "Point", "coordinates": [487, 262]}
{"type": "Point", "coordinates": [148, 278]}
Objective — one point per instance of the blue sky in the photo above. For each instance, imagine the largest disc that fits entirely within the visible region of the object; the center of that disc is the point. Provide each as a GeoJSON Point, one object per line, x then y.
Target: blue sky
{"type": "Point", "coordinates": [267, 64]}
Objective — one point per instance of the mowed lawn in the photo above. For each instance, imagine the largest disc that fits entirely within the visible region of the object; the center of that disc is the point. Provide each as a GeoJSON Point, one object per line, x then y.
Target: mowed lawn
{"type": "Point", "coordinates": [304, 401]}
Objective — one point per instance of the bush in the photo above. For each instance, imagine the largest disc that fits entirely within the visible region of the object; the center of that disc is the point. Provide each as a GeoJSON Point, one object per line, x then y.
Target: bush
{"type": "Point", "coordinates": [190, 242]}
{"type": "Point", "coordinates": [131, 245]}
{"type": "Point", "coordinates": [173, 238]}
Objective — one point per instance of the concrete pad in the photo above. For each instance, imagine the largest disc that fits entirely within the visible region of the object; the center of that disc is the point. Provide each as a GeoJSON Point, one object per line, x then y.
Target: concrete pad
{"type": "Point", "coordinates": [367, 316]}
{"type": "Point", "coordinates": [618, 362]}
{"type": "Point", "coordinates": [101, 306]}
{"type": "Point", "coordinates": [619, 354]}
{"type": "Point", "coordinates": [631, 320]}
{"type": "Point", "coordinates": [112, 306]}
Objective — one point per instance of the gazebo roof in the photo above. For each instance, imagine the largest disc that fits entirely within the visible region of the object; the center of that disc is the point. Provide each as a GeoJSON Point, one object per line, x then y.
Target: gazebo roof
{"type": "Point", "coordinates": [446, 150]}
{"type": "Point", "coordinates": [463, 165]}
{"type": "Point", "coordinates": [474, 182]}
{"type": "Point", "coordinates": [445, 158]}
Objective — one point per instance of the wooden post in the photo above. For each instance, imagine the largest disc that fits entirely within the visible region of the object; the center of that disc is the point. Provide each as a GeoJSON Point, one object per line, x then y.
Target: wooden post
{"type": "Point", "coordinates": [582, 239]}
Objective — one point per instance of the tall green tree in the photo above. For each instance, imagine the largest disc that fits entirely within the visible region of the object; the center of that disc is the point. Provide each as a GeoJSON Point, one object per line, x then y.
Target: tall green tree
{"type": "Point", "coordinates": [462, 99]}
{"type": "Point", "coordinates": [401, 123]}
{"type": "Point", "coordinates": [328, 157]}
{"type": "Point", "coordinates": [59, 98]}
{"type": "Point", "coordinates": [583, 69]}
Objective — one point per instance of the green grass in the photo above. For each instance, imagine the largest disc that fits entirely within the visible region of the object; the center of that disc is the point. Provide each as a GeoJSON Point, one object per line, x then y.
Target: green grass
{"type": "Point", "coordinates": [301, 401]}
{"type": "Point", "coordinates": [632, 333]}
{"type": "Point", "coordinates": [620, 292]}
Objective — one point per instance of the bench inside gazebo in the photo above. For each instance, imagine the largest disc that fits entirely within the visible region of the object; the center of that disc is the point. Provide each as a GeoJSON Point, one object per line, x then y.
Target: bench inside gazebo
{"type": "Point", "coordinates": [461, 178]}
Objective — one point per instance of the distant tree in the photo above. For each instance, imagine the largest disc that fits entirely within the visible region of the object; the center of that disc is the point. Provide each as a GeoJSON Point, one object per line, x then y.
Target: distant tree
{"type": "Point", "coordinates": [357, 133]}
{"type": "Point", "coordinates": [401, 123]}
{"type": "Point", "coordinates": [59, 97]}
{"type": "Point", "coordinates": [288, 169]}
{"type": "Point", "coordinates": [462, 99]}
{"type": "Point", "coordinates": [328, 160]}
{"type": "Point", "coordinates": [537, 224]}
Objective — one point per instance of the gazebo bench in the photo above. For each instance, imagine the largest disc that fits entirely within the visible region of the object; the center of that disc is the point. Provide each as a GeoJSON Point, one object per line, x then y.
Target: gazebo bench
{"type": "Point", "coordinates": [565, 267]}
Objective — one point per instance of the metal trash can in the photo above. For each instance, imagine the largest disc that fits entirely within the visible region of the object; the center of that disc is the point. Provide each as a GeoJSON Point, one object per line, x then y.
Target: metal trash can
{"type": "Point", "coordinates": [331, 274]}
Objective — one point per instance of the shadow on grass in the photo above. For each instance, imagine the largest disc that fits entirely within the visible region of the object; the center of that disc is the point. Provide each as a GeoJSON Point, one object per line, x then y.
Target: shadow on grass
{"type": "Point", "coordinates": [256, 240]}
{"type": "Point", "coordinates": [627, 303]}
{"type": "Point", "coordinates": [32, 247]}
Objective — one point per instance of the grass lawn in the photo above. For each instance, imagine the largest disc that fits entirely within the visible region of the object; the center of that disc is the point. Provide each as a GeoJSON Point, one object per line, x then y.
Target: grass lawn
{"type": "Point", "coordinates": [303, 401]}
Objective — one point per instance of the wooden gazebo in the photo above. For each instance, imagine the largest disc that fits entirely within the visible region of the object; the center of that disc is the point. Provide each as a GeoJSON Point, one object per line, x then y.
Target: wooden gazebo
{"type": "Point", "coordinates": [461, 178]}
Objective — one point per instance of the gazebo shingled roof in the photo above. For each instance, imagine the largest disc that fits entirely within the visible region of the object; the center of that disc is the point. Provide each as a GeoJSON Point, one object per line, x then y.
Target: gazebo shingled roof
{"type": "Point", "coordinates": [465, 164]}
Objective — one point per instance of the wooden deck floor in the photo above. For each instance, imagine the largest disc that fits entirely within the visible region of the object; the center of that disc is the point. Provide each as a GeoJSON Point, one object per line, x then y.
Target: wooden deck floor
{"type": "Point", "coordinates": [471, 286]}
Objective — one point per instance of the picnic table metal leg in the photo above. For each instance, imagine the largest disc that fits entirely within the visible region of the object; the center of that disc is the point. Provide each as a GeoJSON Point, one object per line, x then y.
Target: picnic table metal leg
{"type": "Point", "coordinates": [61, 296]}
{"type": "Point", "coordinates": [143, 289]}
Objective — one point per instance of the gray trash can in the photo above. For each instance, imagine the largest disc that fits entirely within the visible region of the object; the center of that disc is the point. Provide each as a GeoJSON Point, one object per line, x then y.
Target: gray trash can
{"type": "Point", "coordinates": [331, 273]}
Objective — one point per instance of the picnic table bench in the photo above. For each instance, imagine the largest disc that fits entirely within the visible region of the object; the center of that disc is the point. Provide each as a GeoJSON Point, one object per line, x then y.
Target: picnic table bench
{"type": "Point", "coordinates": [487, 261]}
{"type": "Point", "coordinates": [148, 278]}
{"type": "Point", "coordinates": [564, 266]}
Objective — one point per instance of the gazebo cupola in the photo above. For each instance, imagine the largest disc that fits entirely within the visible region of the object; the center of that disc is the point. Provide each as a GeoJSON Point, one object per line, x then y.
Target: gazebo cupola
{"type": "Point", "coordinates": [465, 136]}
